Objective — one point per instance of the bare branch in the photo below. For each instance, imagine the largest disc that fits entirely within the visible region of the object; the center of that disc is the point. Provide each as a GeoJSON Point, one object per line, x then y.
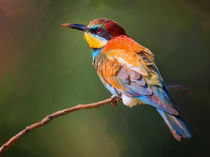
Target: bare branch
{"type": "Point", "coordinates": [113, 100]}
{"type": "Point", "coordinates": [180, 87]}
{"type": "Point", "coordinates": [49, 118]}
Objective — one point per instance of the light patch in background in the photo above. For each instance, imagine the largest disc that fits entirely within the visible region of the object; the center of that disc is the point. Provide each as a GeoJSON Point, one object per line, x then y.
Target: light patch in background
{"type": "Point", "coordinates": [16, 17]}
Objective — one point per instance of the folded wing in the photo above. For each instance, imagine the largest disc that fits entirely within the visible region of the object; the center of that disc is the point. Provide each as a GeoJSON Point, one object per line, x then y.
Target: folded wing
{"type": "Point", "coordinates": [130, 69]}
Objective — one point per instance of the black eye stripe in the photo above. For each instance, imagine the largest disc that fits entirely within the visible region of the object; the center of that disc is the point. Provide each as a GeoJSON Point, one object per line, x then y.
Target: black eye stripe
{"type": "Point", "coordinates": [101, 32]}
{"type": "Point", "coordinates": [96, 30]}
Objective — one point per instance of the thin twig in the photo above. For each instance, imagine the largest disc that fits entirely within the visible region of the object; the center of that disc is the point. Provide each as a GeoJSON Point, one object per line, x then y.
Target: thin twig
{"type": "Point", "coordinates": [180, 87]}
{"type": "Point", "coordinates": [49, 118]}
{"type": "Point", "coordinates": [113, 100]}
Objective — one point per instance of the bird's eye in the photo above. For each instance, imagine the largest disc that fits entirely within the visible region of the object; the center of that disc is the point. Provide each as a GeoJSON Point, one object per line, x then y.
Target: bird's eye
{"type": "Point", "coordinates": [96, 30]}
{"type": "Point", "coordinates": [99, 30]}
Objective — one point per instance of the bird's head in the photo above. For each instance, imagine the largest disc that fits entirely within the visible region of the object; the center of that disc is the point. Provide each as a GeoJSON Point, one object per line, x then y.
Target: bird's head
{"type": "Point", "coordinates": [99, 31]}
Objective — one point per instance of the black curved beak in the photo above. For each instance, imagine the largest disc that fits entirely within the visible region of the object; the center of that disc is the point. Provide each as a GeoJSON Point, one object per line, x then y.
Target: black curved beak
{"type": "Point", "coordinates": [76, 26]}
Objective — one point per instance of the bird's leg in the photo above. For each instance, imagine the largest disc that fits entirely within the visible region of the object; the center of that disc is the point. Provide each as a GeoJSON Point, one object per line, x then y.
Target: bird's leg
{"type": "Point", "coordinates": [115, 100]}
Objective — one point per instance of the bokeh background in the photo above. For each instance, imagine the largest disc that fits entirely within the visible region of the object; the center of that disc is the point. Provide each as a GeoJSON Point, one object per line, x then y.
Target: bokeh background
{"type": "Point", "coordinates": [44, 68]}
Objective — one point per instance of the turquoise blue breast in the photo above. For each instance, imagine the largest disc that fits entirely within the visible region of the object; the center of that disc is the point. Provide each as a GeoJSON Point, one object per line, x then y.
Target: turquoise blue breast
{"type": "Point", "coordinates": [96, 53]}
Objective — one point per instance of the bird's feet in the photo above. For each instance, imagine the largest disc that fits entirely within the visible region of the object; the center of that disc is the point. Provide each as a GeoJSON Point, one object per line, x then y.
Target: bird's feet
{"type": "Point", "coordinates": [115, 100]}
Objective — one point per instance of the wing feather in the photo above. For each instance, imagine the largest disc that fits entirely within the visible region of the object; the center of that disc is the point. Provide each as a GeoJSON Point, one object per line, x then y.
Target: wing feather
{"type": "Point", "coordinates": [130, 69]}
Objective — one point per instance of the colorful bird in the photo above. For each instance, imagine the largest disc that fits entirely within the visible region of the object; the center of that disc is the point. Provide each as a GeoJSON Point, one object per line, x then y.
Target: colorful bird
{"type": "Point", "coordinates": [127, 69]}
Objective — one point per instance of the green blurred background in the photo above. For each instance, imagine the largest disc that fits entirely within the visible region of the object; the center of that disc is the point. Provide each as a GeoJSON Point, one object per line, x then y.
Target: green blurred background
{"type": "Point", "coordinates": [45, 68]}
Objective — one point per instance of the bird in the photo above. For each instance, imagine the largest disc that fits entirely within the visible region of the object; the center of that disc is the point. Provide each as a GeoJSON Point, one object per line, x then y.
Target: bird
{"type": "Point", "coordinates": [128, 70]}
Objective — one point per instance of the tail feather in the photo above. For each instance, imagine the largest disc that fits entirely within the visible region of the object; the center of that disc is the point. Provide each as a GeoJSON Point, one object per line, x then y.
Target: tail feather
{"type": "Point", "coordinates": [176, 125]}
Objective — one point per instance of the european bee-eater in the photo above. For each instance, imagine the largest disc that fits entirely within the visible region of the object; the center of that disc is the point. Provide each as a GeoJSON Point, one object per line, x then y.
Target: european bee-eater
{"type": "Point", "coordinates": [127, 69]}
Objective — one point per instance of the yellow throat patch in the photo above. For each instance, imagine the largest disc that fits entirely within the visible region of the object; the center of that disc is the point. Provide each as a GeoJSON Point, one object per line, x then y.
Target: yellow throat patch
{"type": "Point", "coordinates": [94, 41]}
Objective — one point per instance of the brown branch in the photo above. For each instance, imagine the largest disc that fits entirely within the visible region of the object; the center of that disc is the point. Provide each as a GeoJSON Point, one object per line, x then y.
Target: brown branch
{"type": "Point", "coordinates": [113, 100]}
{"type": "Point", "coordinates": [49, 118]}
{"type": "Point", "coordinates": [180, 87]}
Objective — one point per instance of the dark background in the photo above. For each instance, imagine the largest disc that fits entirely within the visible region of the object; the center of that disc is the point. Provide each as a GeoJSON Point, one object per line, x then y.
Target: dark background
{"type": "Point", "coordinates": [45, 68]}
